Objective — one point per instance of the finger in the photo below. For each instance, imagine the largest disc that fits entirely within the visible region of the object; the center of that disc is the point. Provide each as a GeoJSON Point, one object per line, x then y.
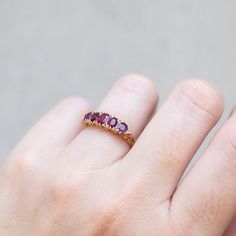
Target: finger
{"type": "Point", "coordinates": [173, 136]}
{"type": "Point", "coordinates": [208, 193]}
{"type": "Point", "coordinates": [132, 99]}
{"type": "Point", "coordinates": [53, 132]}
{"type": "Point", "coordinates": [231, 230]}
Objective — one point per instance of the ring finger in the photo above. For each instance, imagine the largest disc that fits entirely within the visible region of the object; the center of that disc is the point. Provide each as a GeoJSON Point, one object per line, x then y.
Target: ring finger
{"type": "Point", "coordinates": [133, 100]}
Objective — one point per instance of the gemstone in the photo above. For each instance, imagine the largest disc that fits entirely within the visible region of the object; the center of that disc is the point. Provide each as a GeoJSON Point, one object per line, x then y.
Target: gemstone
{"type": "Point", "coordinates": [103, 118]}
{"type": "Point", "coordinates": [88, 116]}
{"type": "Point", "coordinates": [95, 116]}
{"type": "Point", "coordinates": [122, 127]}
{"type": "Point", "coordinates": [112, 122]}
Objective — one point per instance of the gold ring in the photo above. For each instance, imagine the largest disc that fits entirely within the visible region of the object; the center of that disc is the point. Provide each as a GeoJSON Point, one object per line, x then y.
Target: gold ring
{"type": "Point", "coordinates": [111, 123]}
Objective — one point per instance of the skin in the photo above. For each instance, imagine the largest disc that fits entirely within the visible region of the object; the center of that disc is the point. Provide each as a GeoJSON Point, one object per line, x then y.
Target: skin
{"type": "Point", "coordinates": [64, 179]}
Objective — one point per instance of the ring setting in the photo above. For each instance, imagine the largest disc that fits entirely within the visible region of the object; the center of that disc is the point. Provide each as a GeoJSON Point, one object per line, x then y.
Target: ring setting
{"type": "Point", "coordinates": [111, 123]}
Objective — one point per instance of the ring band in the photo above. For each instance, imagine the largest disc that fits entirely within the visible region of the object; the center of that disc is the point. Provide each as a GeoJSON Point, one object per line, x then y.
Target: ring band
{"type": "Point", "coordinates": [109, 122]}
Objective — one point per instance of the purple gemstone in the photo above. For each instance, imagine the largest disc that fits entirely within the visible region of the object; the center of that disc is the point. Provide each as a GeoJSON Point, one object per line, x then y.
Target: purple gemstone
{"type": "Point", "coordinates": [112, 122]}
{"type": "Point", "coordinates": [94, 116]}
{"type": "Point", "coordinates": [88, 116]}
{"type": "Point", "coordinates": [122, 127]}
{"type": "Point", "coordinates": [103, 118]}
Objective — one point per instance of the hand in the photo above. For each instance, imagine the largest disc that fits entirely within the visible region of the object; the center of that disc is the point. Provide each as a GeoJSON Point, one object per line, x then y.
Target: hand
{"type": "Point", "coordinates": [62, 179]}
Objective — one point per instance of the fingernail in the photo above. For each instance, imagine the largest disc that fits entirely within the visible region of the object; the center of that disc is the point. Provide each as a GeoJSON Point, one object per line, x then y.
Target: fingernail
{"type": "Point", "coordinates": [233, 111]}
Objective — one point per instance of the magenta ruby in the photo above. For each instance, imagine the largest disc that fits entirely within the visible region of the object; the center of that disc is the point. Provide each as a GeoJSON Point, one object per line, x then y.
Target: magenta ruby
{"type": "Point", "coordinates": [94, 116]}
{"type": "Point", "coordinates": [103, 118]}
{"type": "Point", "coordinates": [122, 127]}
{"type": "Point", "coordinates": [112, 122]}
{"type": "Point", "coordinates": [88, 116]}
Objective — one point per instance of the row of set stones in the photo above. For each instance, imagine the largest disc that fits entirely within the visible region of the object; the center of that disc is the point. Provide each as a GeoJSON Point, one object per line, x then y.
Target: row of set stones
{"type": "Point", "coordinates": [106, 120]}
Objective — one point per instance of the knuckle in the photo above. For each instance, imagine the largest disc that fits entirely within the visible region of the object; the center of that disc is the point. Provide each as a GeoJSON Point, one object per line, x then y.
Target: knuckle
{"type": "Point", "coordinates": [62, 194]}
{"type": "Point", "coordinates": [201, 95]}
{"type": "Point", "coordinates": [107, 218]}
{"type": "Point", "coordinates": [75, 101]}
{"type": "Point", "coordinates": [62, 190]}
{"type": "Point", "coordinates": [112, 213]}
{"type": "Point", "coordinates": [138, 84]}
{"type": "Point", "coordinates": [112, 205]}
{"type": "Point", "coordinates": [118, 203]}
{"type": "Point", "coordinates": [18, 169]}
{"type": "Point", "coordinates": [107, 212]}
